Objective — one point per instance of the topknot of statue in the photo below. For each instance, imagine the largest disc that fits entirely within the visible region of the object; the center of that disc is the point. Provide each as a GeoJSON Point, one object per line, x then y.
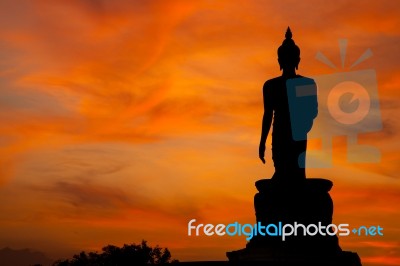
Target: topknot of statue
{"type": "Point", "coordinates": [288, 49]}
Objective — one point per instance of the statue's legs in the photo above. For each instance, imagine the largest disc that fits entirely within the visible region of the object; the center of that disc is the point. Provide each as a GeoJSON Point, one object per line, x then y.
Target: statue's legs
{"type": "Point", "coordinates": [285, 155]}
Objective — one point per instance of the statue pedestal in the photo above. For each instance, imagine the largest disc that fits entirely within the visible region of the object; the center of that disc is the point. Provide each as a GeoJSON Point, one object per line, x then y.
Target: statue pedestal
{"type": "Point", "coordinates": [303, 202]}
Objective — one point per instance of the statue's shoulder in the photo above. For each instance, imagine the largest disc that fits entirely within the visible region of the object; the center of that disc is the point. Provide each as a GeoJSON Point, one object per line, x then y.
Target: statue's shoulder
{"type": "Point", "coordinates": [308, 79]}
{"type": "Point", "coordinates": [272, 83]}
{"type": "Point", "coordinates": [274, 80]}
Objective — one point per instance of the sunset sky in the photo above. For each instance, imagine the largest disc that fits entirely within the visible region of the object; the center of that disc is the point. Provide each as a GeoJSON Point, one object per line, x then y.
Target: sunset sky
{"type": "Point", "coordinates": [123, 120]}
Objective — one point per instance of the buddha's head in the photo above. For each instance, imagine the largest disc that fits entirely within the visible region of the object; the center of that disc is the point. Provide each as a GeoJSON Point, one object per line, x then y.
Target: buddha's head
{"type": "Point", "coordinates": [288, 53]}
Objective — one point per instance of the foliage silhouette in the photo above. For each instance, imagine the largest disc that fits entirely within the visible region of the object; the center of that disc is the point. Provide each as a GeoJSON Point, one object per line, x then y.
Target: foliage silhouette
{"type": "Point", "coordinates": [132, 254]}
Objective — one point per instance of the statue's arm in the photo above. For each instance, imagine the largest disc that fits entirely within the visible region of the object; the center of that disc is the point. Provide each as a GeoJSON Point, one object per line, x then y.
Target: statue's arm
{"type": "Point", "coordinates": [266, 122]}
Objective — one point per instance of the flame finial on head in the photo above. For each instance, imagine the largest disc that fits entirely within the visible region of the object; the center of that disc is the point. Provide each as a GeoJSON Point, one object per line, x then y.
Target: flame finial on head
{"type": "Point", "coordinates": [288, 34]}
{"type": "Point", "coordinates": [288, 47]}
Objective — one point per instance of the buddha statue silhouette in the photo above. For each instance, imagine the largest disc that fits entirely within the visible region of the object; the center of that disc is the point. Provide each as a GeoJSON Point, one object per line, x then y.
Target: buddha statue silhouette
{"type": "Point", "coordinates": [290, 101]}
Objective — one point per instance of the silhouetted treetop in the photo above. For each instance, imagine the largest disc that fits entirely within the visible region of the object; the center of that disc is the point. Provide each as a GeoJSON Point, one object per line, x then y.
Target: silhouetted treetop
{"type": "Point", "coordinates": [111, 255]}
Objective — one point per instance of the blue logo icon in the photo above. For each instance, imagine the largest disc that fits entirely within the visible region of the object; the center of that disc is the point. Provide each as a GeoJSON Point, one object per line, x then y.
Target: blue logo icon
{"type": "Point", "coordinates": [348, 105]}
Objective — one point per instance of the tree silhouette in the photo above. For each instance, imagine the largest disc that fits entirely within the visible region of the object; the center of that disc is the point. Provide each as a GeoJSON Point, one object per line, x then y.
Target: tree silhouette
{"type": "Point", "coordinates": [111, 255]}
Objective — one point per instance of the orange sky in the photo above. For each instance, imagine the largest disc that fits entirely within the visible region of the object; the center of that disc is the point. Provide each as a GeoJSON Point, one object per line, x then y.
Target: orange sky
{"type": "Point", "coordinates": [123, 120]}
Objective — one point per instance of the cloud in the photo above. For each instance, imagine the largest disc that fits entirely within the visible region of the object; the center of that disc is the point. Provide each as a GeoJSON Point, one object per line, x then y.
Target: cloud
{"type": "Point", "coordinates": [88, 196]}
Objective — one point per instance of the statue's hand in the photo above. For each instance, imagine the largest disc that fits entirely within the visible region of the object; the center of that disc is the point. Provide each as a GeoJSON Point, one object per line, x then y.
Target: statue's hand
{"type": "Point", "coordinates": [261, 152]}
